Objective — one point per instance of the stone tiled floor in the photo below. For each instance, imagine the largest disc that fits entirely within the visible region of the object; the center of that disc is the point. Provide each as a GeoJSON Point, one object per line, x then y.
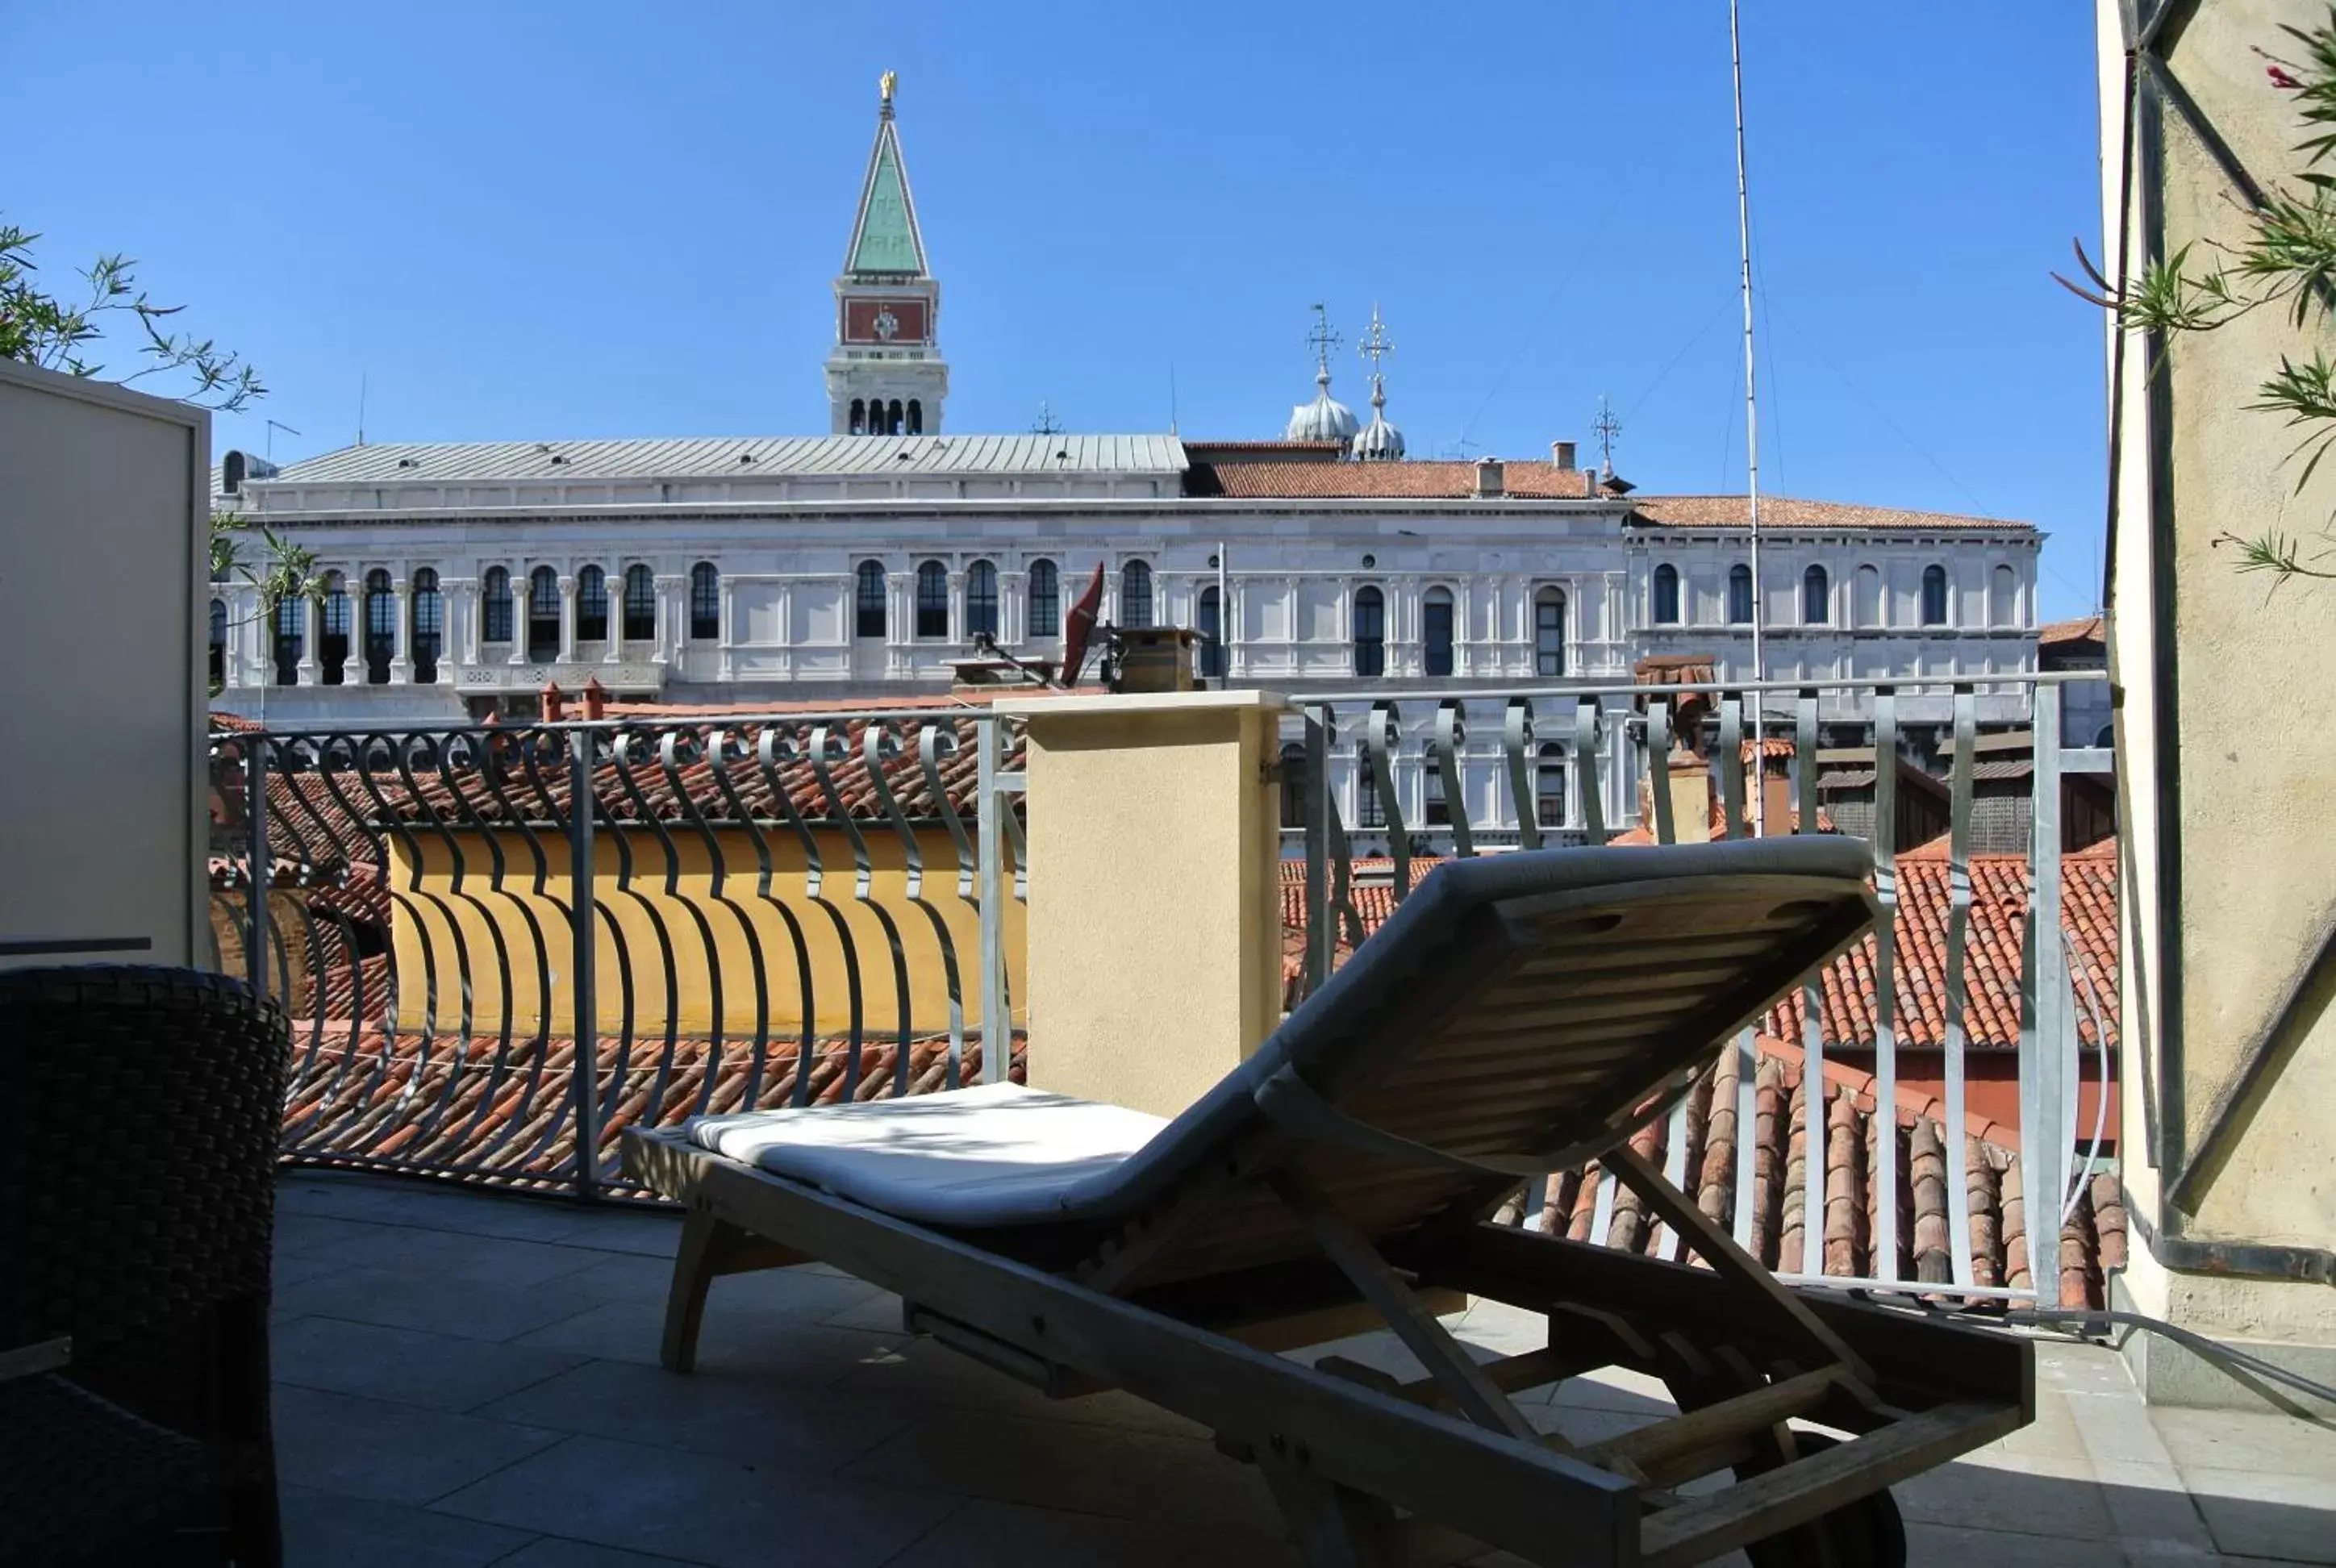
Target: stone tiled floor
{"type": "Point", "coordinates": [466, 1379]}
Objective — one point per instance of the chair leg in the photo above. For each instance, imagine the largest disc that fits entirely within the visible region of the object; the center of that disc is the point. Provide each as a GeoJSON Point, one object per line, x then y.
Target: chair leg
{"type": "Point", "coordinates": [1333, 1527]}
{"type": "Point", "coordinates": [685, 1305]}
{"type": "Point", "coordinates": [255, 1536]}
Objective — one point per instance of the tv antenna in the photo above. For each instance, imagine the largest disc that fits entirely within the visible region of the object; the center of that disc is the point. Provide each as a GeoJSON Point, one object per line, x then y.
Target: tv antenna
{"type": "Point", "coordinates": [273, 426]}
{"type": "Point", "coordinates": [1044, 424]}
{"type": "Point", "coordinates": [360, 402]}
{"type": "Point", "coordinates": [1606, 427]}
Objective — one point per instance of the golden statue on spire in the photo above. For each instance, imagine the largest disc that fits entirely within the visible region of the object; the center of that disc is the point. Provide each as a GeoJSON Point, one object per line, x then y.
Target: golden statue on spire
{"type": "Point", "coordinates": [884, 84]}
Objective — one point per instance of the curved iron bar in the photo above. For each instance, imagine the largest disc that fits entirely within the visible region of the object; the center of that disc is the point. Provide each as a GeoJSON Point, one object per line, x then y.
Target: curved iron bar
{"type": "Point", "coordinates": [1516, 749]}
{"type": "Point", "coordinates": [394, 1114]}
{"type": "Point", "coordinates": [2078, 967]}
{"type": "Point", "coordinates": [717, 755]}
{"type": "Point", "coordinates": [1381, 740]}
{"type": "Point", "coordinates": [1659, 771]}
{"type": "Point", "coordinates": [668, 759]}
{"type": "Point", "coordinates": [562, 821]}
{"type": "Point", "coordinates": [539, 891]}
{"type": "Point", "coordinates": [879, 745]}
{"type": "Point", "coordinates": [928, 741]}
{"type": "Point", "coordinates": [456, 874]}
{"type": "Point", "coordinates": [621, 763]}
{"type": "Point", "coordinates": [1341, 849]}
{"type": "Point", "coordinates": [333, 1096]}
{"type": "Point", "coordinates": [935, 744]}
{"type": "Point", "coordinates": [1451, 734]}
{"type": "Point", "coordinates": [498, 874]}
{"type": "Point", "coordinates": [1959, 905]}
{"type": "Point", "coordinates": [821, 761]}
{"type": "Point", "coordinates": [768, 751]}
{"type": "Point", "coordinates": [1586, 715]}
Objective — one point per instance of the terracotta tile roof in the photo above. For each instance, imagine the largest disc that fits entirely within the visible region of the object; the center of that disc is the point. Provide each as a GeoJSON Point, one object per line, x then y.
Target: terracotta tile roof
{"type": "Point", "coordinates": [2088, 914]}
{"type": "Point", "coordinates": [1423, 481]}
{"type": "Point", "coordinates": [2091, 1243]}
{"type": "Point", "coordinates": [233, 723]}
{"type": "Point", "coordinates": [1788, 512]}
{"type": "Point", "coordinates": [505, 1109]}
{"type": "Point", "coordinates": [2089, 629]}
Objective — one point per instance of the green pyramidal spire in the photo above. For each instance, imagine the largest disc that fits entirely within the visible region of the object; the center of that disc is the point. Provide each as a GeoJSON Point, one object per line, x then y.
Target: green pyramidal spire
{"type": "Point", "coordinates": [884, 237]}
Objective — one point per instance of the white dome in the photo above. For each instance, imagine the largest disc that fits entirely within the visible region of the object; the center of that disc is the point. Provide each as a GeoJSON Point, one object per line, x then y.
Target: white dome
{"type": "Point", "coordinates": [1324, 419]}
{"type": "Point", "coordinates": [1378, 441]}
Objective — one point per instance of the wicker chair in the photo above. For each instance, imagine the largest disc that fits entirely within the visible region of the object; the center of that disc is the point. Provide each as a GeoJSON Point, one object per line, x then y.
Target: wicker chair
{"type": "Point", "coordinates": [139, 1113]}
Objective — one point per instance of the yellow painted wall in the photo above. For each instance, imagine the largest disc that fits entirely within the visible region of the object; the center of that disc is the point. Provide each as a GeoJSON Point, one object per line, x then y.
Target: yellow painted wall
{"type": "Point", "coordinates": [452, 926]}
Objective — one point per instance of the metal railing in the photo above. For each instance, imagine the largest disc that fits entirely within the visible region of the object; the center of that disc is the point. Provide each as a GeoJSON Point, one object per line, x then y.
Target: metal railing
{"type": "Point", "coordinates": [501, 945]}
{"type": "Point", "coordinates": [1620, 748]}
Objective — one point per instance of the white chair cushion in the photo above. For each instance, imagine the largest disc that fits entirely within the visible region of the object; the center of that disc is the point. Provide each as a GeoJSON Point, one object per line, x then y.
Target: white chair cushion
{"type": "Point", "coordinates": [995, 1155]}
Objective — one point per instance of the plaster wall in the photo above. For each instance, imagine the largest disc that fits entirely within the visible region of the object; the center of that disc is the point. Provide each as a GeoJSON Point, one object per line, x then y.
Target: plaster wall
{"type": "Point", "coordinates": [2229, 877]}
{"type": "Point", "coordinates": [1155, 907]}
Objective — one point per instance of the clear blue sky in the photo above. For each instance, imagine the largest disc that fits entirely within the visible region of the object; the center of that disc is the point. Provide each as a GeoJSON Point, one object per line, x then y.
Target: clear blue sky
{"type": "Point", "coordinates": [587, 219]}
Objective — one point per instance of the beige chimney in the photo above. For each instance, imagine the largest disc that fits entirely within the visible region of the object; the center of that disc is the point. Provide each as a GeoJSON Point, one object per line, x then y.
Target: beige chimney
{"type": "Point", "coordinates": [1490, 478]}
{"type": "Point", "coordinates": [1561, 456]}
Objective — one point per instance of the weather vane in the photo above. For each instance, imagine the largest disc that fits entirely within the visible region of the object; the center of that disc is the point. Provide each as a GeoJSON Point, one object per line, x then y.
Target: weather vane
{"type": "Point", "coordinates": [1322, 339]}
{"type": "Point", "coordinates": [1606, 427]}
{"type": "Point", "coordinates": [1046, 424]}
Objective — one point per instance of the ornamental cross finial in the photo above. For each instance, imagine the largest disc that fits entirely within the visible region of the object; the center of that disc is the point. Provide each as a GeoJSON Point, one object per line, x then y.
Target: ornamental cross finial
{"type": "Point", "coordinates": [1606, 427]}
{"type": "Point", "coordinates": [1323, 338]}
{"type": "Point", "coordinates": [1375, 345]}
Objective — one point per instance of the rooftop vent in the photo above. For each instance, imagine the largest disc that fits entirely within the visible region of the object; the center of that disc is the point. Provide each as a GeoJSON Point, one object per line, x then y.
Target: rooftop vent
{"type": "Point", "coordinates": [745, 457]}
{"type": "Point", "coordinates": [560, 457]}
{"type": "Point", "coordinates": [409, 462]}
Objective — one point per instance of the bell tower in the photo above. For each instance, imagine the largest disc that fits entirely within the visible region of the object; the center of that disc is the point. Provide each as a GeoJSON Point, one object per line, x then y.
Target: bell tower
{"type": "Point", "coordinates": [885, 376]}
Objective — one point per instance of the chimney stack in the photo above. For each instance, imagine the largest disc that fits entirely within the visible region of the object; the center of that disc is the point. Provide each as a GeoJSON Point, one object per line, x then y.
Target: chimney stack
{"type": "Point", "coordinates": [1561, 456]}
{"type": "Point", "coordinates": [1490, 478]}
{"type": "Point", "coordinates": [596, 698]}
{"type": "Point", "coordinates": [553, 701]}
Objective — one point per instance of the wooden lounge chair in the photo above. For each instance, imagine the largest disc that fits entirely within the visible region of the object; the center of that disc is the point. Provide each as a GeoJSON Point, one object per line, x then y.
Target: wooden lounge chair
{"type": "Point", "coordinates": [1517, 1015]}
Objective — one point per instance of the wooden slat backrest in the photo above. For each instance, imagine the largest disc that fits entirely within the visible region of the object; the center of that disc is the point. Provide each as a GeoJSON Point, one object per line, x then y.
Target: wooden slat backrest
{"type": "Point", "coordinates": [1555, 1026]}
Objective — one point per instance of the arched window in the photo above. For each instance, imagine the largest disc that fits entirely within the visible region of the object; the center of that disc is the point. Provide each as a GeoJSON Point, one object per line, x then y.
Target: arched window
{"type": "Point", "coordinates": [1816, 598]}
{"type": "Point", "coordinates": [429, 629]}
{"type": "Point", "coordinates": [2003, 597]}
{"type": "Point", "coordinates": [2106, 737]}
{"type": "Point", "coordinates": [1370, 631]}
{"type": "Point", "coordinates": [1293, 785]}
{"type": "Point", "coordinates": [1436, 630]}
{"type": "Point", "coordinates": [1549, 784]}
{"type": "Point", "coordinates": [332, 638]}
{"type": "Point", "coordinates": [1435, 810]}
{"type": "Point", "coordinates": [1211, 628]}
{"type": "Point", "coordinates": [1934, 596]}
{"type": "Point", "coordinates": [868, 599]}
{"type": "Point", "coordinates": [932, 600]}
{"type": "Point", "coordinates": [1046, 601]}
{"type": "Point", "coordinates": [1739, 595]}
{"type": "Point", "coordinates": [219, 642]}
{"type": "Point", "coordinates": [705, 602]}
{"type": "Point", "coordinates": [381, 627]}
{"type": "Point", "coordinates": [1370, 812]}
{"type": "Point", "coordinates": [1549, 632]}
{"type": "Point", "coordinates": [542, 614]}
{"type": "Point", "coordinates": [894, 418]}
{"type": "Point", "coordinates": [640, 604]}
{"type": "Point", "coordinates": [980, 599]}
{"type": "Point", "coordinates": [1865, 599]}
{"type": "Point", "coordinates": [916, 425]}
{"type": "Point", "coordinates": [1134, 595]}
{"type": "Point", "coordinates": [495, 606]}
{"type": "Point", "coordinates": [291, 615]}
{"type": "Point", "coordinates": [1667, 603]}
{"type": "Point", "coordinates": [859, 417]}
{"type": "Point", "coordinates": [591, 605]}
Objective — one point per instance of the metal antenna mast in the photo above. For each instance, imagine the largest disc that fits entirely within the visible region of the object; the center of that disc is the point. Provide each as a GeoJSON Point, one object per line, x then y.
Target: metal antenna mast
{"type": "Point", "coordinates": [1046, 424]}
{"type": "Point", "coordinates": [1751, 428]}
{"type": "Point", "coordinates": [273, 426]}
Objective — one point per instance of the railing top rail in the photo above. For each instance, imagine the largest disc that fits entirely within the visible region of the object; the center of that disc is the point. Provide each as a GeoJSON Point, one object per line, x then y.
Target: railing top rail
{"type": "Point", "coordinates": [1899, 684]}
{"type": "Point", "coordinates": [385, 727]}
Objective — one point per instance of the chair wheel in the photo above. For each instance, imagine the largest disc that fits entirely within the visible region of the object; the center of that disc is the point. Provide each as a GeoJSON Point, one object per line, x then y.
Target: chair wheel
{"type": "Point", "coordinates": [1867, 1533]}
